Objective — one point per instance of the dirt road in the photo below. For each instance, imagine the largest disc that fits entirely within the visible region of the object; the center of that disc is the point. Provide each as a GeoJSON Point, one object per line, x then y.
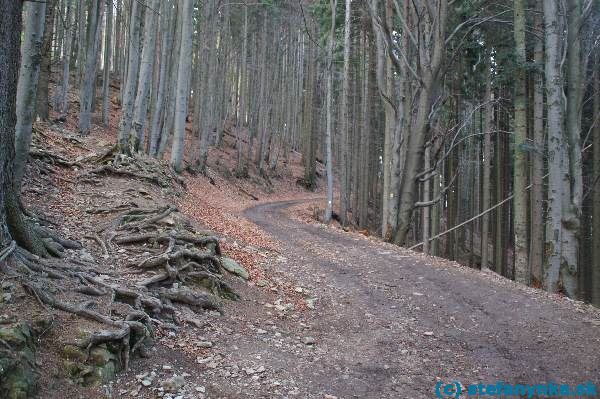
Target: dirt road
{"type": "Point", "coordinates": [386, 323]}
{"type": "Point", "coordinates": [389, 325]}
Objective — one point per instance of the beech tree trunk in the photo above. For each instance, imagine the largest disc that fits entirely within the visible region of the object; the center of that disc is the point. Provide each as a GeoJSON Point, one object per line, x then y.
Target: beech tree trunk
{"type": "Point", "coordinates": [329, 130]}
{"type": "Point", "coordinates": [344, 122]}
{"type": "Point", "coordinates": [87, 92]}
{"type": "Point", "coordinates": [107, 60]}
{"type": "Point", "coordinates": [183, 82]}
{"type": "Point", "coordinates": [42, 109]}
{"type": "Point", "coordinates": [145, 76]}
{"type": "Point", "coordinates": [62, 102]}
{"type": "Point", "coordinates": [537, 185]}
{"type": "Point", "coordinates": [596, 197]}
{"type": "Point", "coordinates": [35, 13]}
{"type": "Point", "coordinates": [522, 273]}
{"type": "Point", "coordinates": [131, 77]}
{"type": "Point", "coordinates": [556, 151]}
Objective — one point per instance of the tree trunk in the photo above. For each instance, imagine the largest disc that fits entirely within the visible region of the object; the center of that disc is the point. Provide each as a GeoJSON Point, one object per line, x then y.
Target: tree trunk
{"type": "Point", "coordinates": [10, 53]}
{"type": "Point", "coordinates": [596, 188]}
{"type": "Point", "coordinates": [329, 131]}
{"type": "Point", "coordinates": [537, 188]}
{"type": "Point", "coordinates": [556, 156]}
{"type": "Point", "coordinates": [166, 24]}
{"type": "Point", "coordinates": [183, 82]}
{"type": "Point", "coordinates": [42, 109]}
{"type": "Point", "coordinates": [28, 82]}
{"type": "Point", "coordinates": [145, 76]}
{"type": "Point", "coordinates": [131, 77]}
{"type": "Point", "coordinates": [522, 274]}
{"type": "Point", "coordinates": [487, 154]}
{"type": "Point", "coordinates": [87, 92]}
{"type": "Point", "coordinates": [107, 61]}
{"type": "Point", "coordinates": [573, 174]}
{"type": "Point", "coordinates": [344, 122]}
{"type": "Point", "coordinates": [62, 102]}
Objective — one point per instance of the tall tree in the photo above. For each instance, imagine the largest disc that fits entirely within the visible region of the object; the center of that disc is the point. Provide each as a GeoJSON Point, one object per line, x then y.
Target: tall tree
{"type": "Point", "coordinates": [520, 203]}
{"type": "Point", "coordinates": [183, 82]}
{"type": "Point", "coordinates": [42, 109]}
{"type": "Point", "coordinates": [131, 76]}
{"type": "Point", "coordinates": [88, 86]}
{"type": "Point", "coordinates": [556, 146]}
{"type": "Point", "coordinates": [145, 75]}
{"type": "Point", "coordinates": [35, 13]}
{"type": "Point", "coordinates": [329, 131]}
{"type": "Point", "coordinates": [108, 35]}
{"type": "Point", "coordinates": [344, 122]}
{"type": "Point", "coordinates": [596, 187]}
{"type": "Point", "coordinates": [10, 51]}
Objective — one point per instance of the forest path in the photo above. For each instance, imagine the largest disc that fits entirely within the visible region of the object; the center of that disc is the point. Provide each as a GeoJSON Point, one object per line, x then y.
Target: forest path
{"type": "Point", "coordinates": [389, 323]}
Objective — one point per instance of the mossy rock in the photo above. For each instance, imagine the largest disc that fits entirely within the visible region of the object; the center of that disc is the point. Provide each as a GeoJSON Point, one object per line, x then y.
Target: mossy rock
{"type": "Point", "coordinates": [234, 268]}
{"type": "Point", "coordinates": [98, 368]}
{"type": "Point", "coordinates": [17, 379]}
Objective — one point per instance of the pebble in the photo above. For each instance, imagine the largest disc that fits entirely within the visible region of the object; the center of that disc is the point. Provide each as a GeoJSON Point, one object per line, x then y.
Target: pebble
{"type": "Point", "coordinates": [309, 341]}
{"type": "Point", "coordinates": [205, 344]}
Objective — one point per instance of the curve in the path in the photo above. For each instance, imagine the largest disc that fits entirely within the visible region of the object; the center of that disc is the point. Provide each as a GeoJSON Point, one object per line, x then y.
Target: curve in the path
{"type": "Point", "coordinates": [393, 323]}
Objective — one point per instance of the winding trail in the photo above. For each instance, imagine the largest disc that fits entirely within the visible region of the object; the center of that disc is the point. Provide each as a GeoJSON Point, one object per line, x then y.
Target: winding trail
{"type": "Point", "coordinates": [390, 324]}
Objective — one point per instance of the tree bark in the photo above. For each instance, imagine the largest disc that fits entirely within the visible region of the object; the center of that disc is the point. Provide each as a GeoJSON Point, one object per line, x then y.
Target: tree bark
{"type": "Point", "coordinates": [556, 152]}
{"type": "Point", "coordinates": [329, 131]}
{"type": "Point", "coordinates": [42, 109]}
{"type": "Point", "coordinates": [28, 82]}
{"type": "Point", "coordinates": [536, 257]}
{"type": "Point", "coordinates": [87, 92]}
{"type": "Point", "coordinates": [10, 53]}
{"type": "Point", "coordinates": [596, 188]}
{"type": "Point", "coordinates": [107, 62]}
{"type": "Point", "coordinates": [166, 24]}
{"type": "Point", "coordinates": [344, 123]}
{"type": "Point", "coordinates": [62, 103]}
{"type": "Point", "coordinates": [183, 82]}
{"type": "Point", "coordinates": [131, 77]}
{"type": "Point", "coordinates": [522, 274]}
{"type": "Point", "coordinates": [573, 198]}
{"type": "Point", "coordinates": [487, 154]}
{"type": "Point", "coordinates": [145, 76]}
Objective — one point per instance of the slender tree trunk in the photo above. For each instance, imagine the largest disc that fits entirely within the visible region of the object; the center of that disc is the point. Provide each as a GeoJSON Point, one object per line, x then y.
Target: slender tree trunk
{"type": "Point", "coordinates": [131, 77]}
{"type": "Point", "coordinates": [522, 274]}
{"type": "Point", "coordinates": [166, 24]}
{"type": "Point", "coordinates": [87, 92]}
{"type": "Point", "coordinates": [596, 198]}
{"type": "Point", "coordinates": [329, 131]}
{"type": "Point", "coordinates": [28, 82]}
{"type": "Point", "coordinates": [344, 116]}
{"type": "Point", "coordinates": [42, 109]}
{"type": "Point", "coordinates": [107, 60]}
{"type": "Point", "coordinates": [183, 82]}
{"type": "Point", "coordinates": [487, 154]}
{"type": "Point", "coordinates": [61, 99]}
{"type": "Point", "coordinates": [537, 189]}
{"type": "Point", "coordinates": [145, 76]}
{"type": "Point", "coordinates": [573, 175]}
{"type": "Point", "coordinates": [426, 198]}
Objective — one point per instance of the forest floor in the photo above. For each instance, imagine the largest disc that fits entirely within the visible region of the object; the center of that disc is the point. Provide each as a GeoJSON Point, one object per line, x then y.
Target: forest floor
{"type": "Point", "coordinates": [325, 314]}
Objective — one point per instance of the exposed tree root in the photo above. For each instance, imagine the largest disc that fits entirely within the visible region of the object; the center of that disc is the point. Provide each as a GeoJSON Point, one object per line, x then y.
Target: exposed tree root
{"type": "Point", "coordinates": [178, 265]}
{"type": "Point", "coordinates": [138, 167]}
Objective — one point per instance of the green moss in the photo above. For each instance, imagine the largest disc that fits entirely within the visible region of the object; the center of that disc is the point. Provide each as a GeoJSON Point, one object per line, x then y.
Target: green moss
{"type": "Point", "coordinates": [17, 379]}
